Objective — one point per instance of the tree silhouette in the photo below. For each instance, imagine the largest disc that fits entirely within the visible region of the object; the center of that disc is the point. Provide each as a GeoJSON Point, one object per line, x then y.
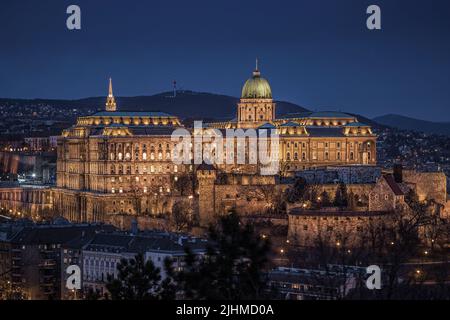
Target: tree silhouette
{"type": "Point", "coordinates": [340, 199]}
{"type": "Point", "coordinates": [136, 280]}
{"type": "Point", "coordinates": [232, 267]}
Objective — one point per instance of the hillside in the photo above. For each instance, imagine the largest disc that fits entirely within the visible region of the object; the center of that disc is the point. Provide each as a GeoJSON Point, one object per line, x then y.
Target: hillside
{"type": "Point", "coordinates": [187, 104]}
{"type": "Point", "coordinates": [406, 123]}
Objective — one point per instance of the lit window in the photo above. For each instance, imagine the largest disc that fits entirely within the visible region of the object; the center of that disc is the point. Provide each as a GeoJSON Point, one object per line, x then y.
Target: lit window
{"type": "Point", "coordinates": [144, 156]}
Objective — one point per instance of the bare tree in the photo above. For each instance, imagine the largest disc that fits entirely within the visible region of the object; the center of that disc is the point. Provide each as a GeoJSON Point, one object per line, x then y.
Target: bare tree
{"type": "Point", "coordinates": [182, 216]}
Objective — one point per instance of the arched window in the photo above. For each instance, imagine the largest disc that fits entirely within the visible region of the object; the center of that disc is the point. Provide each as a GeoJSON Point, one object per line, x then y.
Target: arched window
{"type": "Point", "coordinates": [288, 156]}
{"type": "Point", "coordinates": [144, 156]}
{"type": "Point", "coordinates": [351, 156]}
{"type": "Point", "coordinates": [120, 155]}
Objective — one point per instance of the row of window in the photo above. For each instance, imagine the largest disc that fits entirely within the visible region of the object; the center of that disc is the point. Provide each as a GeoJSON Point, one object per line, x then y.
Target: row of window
{"type": "Point", "coordinates": [326, 156]}
{"type": "Point", "coordinates": [144, 169]}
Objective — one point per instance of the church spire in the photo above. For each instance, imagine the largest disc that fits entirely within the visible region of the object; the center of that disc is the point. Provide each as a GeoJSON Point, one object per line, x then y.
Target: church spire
{"type": "Point", "coordinates": [110, 101]}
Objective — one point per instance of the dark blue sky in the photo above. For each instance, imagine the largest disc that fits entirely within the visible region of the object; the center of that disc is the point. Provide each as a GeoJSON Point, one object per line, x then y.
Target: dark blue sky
{"type": "Point", "coordinates": [317, 53]}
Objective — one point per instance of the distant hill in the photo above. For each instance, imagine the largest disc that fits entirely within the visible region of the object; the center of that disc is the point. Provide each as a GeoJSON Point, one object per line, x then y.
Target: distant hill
{"type": "Point", "coordinates": [406, 123]}
{"type": "Point", "coordinates": [186, 104]}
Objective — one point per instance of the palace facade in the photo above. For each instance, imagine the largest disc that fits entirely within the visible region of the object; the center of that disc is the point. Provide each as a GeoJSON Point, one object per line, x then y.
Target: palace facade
{"type": "Point", "coordinates": [116, 162]}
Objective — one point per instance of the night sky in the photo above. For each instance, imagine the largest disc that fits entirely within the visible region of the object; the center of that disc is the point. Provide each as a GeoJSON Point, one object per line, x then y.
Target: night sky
{"type": "Point", "coordinates": [316, 53]}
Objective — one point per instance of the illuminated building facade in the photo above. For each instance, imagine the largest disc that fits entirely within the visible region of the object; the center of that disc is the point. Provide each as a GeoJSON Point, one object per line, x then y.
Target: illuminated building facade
{"type": "Point", "coordinates": [115, 162]}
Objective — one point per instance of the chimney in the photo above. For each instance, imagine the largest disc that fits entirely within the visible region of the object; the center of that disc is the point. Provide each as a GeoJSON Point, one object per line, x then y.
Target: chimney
{"type": "Point", "coordinates": [398, 173]}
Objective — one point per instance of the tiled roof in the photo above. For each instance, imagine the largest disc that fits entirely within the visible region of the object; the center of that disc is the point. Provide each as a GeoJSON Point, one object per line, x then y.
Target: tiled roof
{"type": "Point", "coordinates": [393, 185]}
{"type": "Point", "coordinates": [356, 124]}
{"type": "Point", "coordinates": [131, 114]}
{"type": "Point", "coordinates": [329, 114]}
{"type": "Point", "coordinates": [316, 131]}
{"type": "Point", "coordinates": [118, 242]}
{"type": "Point", "coordinates": [295, 115]}
{"type": "Point", "coordinates": [318, 114]}
{"type": "Point", "coordinates": [53, 234]}
{"type": "Point", "coordinates": [140, 130]}
{"type": "Point", "coordinates": [290, 124]}
{"type": "Point", "coordinates": [267, 126]}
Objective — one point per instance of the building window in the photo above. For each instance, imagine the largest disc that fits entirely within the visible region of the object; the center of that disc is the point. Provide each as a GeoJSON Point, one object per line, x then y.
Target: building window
{"type": "Point", "coordinates": [326, 156]}
{"type": "Point", "coordinates": [295, 156]}
{"type": "Point", "coordinates": [351, 156]}
{"type": "Point", "coordinates": [120, 155]}
{"type": "Point", "coordinates": [339, 156]}
{"type": "Point", "coordinates": [144, 156]}
{"type": "Point", "coordinates": [288, 156]}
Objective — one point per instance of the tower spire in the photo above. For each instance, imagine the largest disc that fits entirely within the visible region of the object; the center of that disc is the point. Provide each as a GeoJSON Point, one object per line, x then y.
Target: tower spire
{"type": "Point", "coordinates": [256, 73]}
{"type": "Point", "coordinates": [110, 101]}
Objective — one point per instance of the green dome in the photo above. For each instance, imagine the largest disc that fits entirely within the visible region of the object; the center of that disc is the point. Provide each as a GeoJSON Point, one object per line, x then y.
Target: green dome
{"type": "Point", "coordinates": [256, 88]}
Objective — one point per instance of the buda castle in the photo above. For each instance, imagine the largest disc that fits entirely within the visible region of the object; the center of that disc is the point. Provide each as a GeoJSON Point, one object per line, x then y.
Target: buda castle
{"type": "Point", "coordinates": [120, 162]}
